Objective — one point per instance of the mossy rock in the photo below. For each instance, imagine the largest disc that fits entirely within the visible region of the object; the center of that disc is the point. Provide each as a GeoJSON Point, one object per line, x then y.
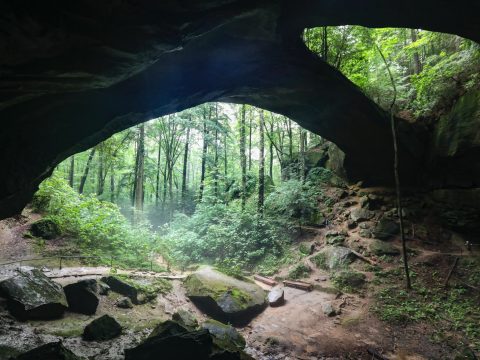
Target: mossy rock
{"type": "Point", "coordinates": [139, 289]}
{"type": "Point", "coordinates": [225, 337]}
{"type": "Point", "coordinates": [45, 228]}
{"type": "Point", "coordinates": [186, 319]}
{"type": "Point", "coordinates": [385, 229]}
{"type": "Point", "coordinates": [349, 280]}
{"type": "Point", "coordinates": [333, 257]}
{"type": "Point", "coordinates": [101, 329]}
{"type": "Point", "coordinates": [381, 248]}
{"type": "Point", "coordinates": [300, 271]}
{"type": "Point", "coordinates": [32, 295]}
{"type": "Point", "coordinates": [54, 351]}
{"type": "Point", "coordinates": [224, 298]}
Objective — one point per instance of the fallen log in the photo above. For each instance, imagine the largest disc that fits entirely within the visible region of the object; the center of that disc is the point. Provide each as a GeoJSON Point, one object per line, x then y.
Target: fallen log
{"type": "Point", "coordinates": [298, 285]}
{"type": "Point", "coordinates": [450, 273]}
{"type": "Point", "coordinates": [361, 257]}
{"type": "Point", "coordinates": [265, 280]}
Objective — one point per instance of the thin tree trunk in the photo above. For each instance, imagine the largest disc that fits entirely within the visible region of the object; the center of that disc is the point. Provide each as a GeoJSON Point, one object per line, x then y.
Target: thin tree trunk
{"type": "Point", "coordinates": [302, 155]}
{"type": "Point", "coordinates": [417, 65]}
{"type": "Point", "coordinates": [250, 143]}
{"type": "Point", "coordinates": [87, 169]}
{"type": "Point", "coordinates": [139, 188]}
{"type": "Point", "coordinates": [71, 173]}
{"type": "Point", "coordinates": [261, 165]}
{"type": "Point", "coordinates": [112, 183]}
{"type": "Point", "coordinates": [185, 164]}
{"type": "Point", "coordinates": [271, 152]}
{"type": "Point", "coordinates": [215, 160]}
{"type": "Point", "coordinates": [204, 157]}
{"type": "Point", "coordinates": [100, 178]}
{"type": "Point", "coordinates": [243, 157]}
{"type": "Point", "coordinates": [397, 177]}
{"type": "Point", "coordinates": [157, 180]}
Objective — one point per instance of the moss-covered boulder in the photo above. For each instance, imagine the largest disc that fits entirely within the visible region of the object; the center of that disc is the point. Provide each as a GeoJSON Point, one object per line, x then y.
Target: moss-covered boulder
{"type": "Point", "coordinates": [381, 248]}
{"type": "Point", "coordinates": [225, 298]}
{"type": "Point", "coordinates": [349, 280]}
{"type": "Point", "coordinates": [32, 295]}
{"type": "Point", "coordinates": [360, 214]}
{"type": "Point", "coordinates": [333, 237]}
{"type": "Point", "coordinates": [50, 351]}
{"type": "Point", "coordinates": [101, 329]}
{"type": "Point", "coordinates": [45, 228]}
{"type": "Point", "coordinates": [385, 229]}
{"type": "Point", "coordinates": [139, 289]}
{"type": "Point", "coordinates": [186, 319]}
{"type": "Point", "coordinates": [225, 337]}
{"type": "Point", "coordinates": [333, 257]}
{"type": "Point", "coordinates": [82, 296]}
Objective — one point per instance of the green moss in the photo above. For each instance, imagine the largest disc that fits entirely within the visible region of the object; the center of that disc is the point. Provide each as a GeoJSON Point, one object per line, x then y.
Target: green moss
{"type": "Point", "coordinates": [6, 352]}
{"type": "Point", "coordinates": [300, 271]}
{"type": "Point", "coordinates": [348, 280]}
{"type": "Point", "coordinates": [149, 287]}
{"type": "Point", "coordinates": [320, 261]}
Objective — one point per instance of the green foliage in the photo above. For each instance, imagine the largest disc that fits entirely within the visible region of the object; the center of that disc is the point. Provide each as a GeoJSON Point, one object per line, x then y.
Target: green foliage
{"type": "Point", "coordinates": [348, 280]}
{"type": "Point", "coordinates": [292, 202]}
{"type": "Point", "coordinates": [222, 235]}
{"type": "Point", "coordinates": [299, 272]}
{"type": "Point", "coordinates": [99, 227]}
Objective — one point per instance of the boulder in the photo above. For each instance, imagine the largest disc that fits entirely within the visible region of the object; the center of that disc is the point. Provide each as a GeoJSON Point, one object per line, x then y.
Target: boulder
{"type": "Point", "coordinates": [139, 290]}
{"type": "Point", "coordinates": [276, 297]}
{"type": "Point", "coordinates": [333, 257]}
{"type": "Point", "coordinates": [328, 309]}
{"type": "Point", "coordinates": [101, 329]}
{"type": "Point", "coordinates": [45, 228]}
{"type": "Point", "coordinates": [385, 229]}
{"type": "Point", "coordinates": [335, 237]}
{"type": "Point", "coordinates": [32, 295]}
{"type": "Point", "coordinates": [124, 303]}
{"type": "Point", "coordinates": [224, 298]}
{"type": "Point", "coordinates": [82, 296]}
{"type": "Point", "coordinates": [224, 336]}
{"type": "Point", "coordinates": [360, 214]}
{"type": "Point", "coordinates": [380, 248]}
{"type": "Point", "coordinates": [186, 319]}
{"type": "Point", "coordinates": [103, 289]}
{"type": "Point", "coordinates": [349, 279]}
{"type": "Point", "coordinates": [50, 351]}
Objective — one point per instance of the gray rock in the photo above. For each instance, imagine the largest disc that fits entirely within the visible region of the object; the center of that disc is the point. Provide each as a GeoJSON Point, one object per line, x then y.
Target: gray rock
{"type": "Point", "coordinates": [81, 296]}
{"type": "Point", "coordinates": [45, 228]}
{"type": "Point", "coordinates": [366, 233]}
{"type": "Point", "coordinates": [103, 289]}
{"type": "Point", "coordinates": [186, 319]}
{"type": "Point", "coordinates": [32, 295]}
{"type": "Point", "coordinates": [225, 336]}
{"type": "Point", "coordinates": [101, 329]}
{"type": "Point", "coordinates": [333, 257]}
{"type": "Point", "coordinates": [276, 297]}
{"type": "Point", "coordinates": [224, 298]}
{"type": "Point", "coordinates": [385, 229]}
{"type": "Point", "coordinates": [335, 237]}
{"type": "Point", "coordinates": [328, 309]}
{"type": "Point", "coordinates": [380, 248]}
{"type": "Point", "coordinates": [359, 215]}
{"type": "Point", "coordinates": [124, 303]}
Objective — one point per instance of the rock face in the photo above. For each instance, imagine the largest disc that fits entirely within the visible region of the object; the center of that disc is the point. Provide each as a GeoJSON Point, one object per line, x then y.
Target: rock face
{"type": "Point", "coordinates": [82, 296]}
{"type": "Point", "coordinates": [385, 229]}
{"type": "Point", "coordinates": [333, 257]}
{"type": "Point", "coordinates": [71, 85]}
{"type": "Point", "coordinates": [50, 351]}
{"type": "Point", "coordinates": [45, 228]}
{"type": "Point", "coordinates": [101, 329]}
{"type": "Point", "coordinates": [32, 295]}
{"type": "Point", "coordinates": [276, 297]}
{"type": "Point", "coordinates": [223, 297]}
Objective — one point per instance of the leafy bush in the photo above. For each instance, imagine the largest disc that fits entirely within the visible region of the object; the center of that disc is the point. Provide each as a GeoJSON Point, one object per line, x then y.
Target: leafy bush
{"type": "Point", "coordinates": [300, 271]}
{"type": "Point", "coordinates": [222, 235]}
{"type": "Point", "coordinates": [98, 226]}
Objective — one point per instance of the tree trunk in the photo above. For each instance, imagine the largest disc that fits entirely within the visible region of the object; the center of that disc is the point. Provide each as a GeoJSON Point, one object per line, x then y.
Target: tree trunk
{"type": "Point", "coordinates": [139, 180]}
{"type": "Point", "coordinates": [270, 172]}
{"type": "Point", "coordinates": [302, 155]}
{"type": "Point", "coordinates": [71, 174]}
{"type": "Point", "coordinates": [397, 177]}
{"type": "Point", "coordinates": [100, 177]}
{"type": "Point", "coordinates": [215, 160]}
{"type": "Point", "coordinates": [417, 64]}
{"type": "Point", "coordinates": [243, 157]}
{"type": "Point", "coordinates": [325, 44]}
{"type": "Point", "coordinates": [87, 169]}
{"type": "Point", "coordinates": [204, 156]}
{"type": "Point", "coordinates": [250, 143]}
{"type": "Point", "coordinates": [185, 165]}
{"type": "Point", "coordinates": [157, 180]}
{"type": "Point", "coordinates": [261, 165]}
{"type": "Point", "coordinates": [112, 183]}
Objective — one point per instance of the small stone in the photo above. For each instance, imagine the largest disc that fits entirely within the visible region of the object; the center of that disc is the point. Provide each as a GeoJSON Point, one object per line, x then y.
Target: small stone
{"type": "Point", "coordinates": [124, 303]}
{"type": "Point", "coordinates": [276, 297]}
{"type": "Point", "coordinates": [328, 309]}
